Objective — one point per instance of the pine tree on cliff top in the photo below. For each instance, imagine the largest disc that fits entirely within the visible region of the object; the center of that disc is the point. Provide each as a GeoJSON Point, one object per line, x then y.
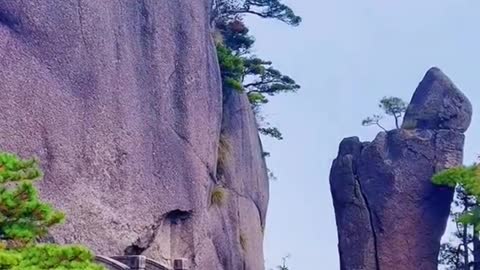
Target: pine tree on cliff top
{"type": "Point", "coordinates": [24, 218]}
{"type": "Point", "coordinates": [391, 106]}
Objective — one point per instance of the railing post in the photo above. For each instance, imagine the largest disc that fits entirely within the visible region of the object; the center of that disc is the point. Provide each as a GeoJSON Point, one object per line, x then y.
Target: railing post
{"type": "Point", "coordinates": [110, 263]}
{"type": "Point", "coordinates": [180, 264]}
{"type": "Point", "coordinates": [135, 262]}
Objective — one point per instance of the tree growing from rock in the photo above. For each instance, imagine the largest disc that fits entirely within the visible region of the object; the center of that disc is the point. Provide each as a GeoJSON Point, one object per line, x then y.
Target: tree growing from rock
{"type": "Point", "coordinates": [262, 80]}
{"type": "Point", "coordinates": [283, 266]}
{"type": "Point", "coordinates": [456, 254]}
{"type": "Point", "coordinates": [463, 251]}
{"type": "Point", "coordinates": [231, 68]}
{"type": "Point", "coordinates": [244, 72]}
{"type": "Point", "coordinates": [225, 10]}
{"type": "Point", "coordinates": [24, 218]}
{"type": "Point", "coordinates": [391, 106]}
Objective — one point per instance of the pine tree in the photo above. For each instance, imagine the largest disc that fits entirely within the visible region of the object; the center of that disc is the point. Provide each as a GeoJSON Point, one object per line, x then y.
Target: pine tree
{"type": "Point", "coordinates": [274, 9]}
{"type": "Point", "coordinates": [392, 106]}
{"type": "Point", "coordinates": [24, 218]}
{"type": "Point", "coordinates": [457, 253]}
{"type": "Point", "coordinates": [244, 72]}
{"type": "Point", "coordinates": [464, 252]}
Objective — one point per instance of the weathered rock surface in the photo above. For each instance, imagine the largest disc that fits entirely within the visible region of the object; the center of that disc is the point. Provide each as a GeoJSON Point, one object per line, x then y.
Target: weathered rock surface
{"type": "Point", "coordinates": [389, 214]}
{"type": "Point", "coordinates": [438, 104]}
{"type": "Point", "coordinates": [122, 102]}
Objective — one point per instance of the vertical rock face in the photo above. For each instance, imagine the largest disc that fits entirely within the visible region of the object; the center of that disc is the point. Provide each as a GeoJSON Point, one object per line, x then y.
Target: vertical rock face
{"type": "Point", "coordinates": [122, 102]}
{"type": "Point", "coordinates": [389, 215]}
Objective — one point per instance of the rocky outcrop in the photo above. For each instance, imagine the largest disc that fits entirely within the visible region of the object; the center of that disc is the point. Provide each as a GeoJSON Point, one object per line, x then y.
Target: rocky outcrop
{"type": "Point", "coordinates": [389, 215]}
{"type": "Point", "coordinates": [242, 174]}
{"type": "Point", "coordinates": [438, 104]}
{"type": "Point", "coordinates": [122, 102]}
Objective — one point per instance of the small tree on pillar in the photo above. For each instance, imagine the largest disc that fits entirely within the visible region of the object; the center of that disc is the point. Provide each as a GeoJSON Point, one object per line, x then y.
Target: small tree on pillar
{"type": "Point", "coordinates": [391, 106]}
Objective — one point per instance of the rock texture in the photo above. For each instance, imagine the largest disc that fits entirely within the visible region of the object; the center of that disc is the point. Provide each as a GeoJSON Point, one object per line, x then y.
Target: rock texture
{"type": "Point", "coordinates": [438, 104]}
{"type": "Point", "coordinates": [389, 214]}
{"type": "Point", "coordinates": [121, 100]}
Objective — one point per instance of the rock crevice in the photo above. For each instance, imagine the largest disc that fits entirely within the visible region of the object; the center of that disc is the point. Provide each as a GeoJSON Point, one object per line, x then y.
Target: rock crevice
{"type": "Point", "coordinates": [370, 221]}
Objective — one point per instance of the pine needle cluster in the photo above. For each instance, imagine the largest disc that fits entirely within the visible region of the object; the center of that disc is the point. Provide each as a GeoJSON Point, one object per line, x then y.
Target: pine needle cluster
{"type": "Point", "coordinates": [24, 218]}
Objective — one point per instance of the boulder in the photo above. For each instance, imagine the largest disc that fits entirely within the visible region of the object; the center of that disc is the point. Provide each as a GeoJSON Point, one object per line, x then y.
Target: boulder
{"type": "Point", "coordinates": [438, 104]}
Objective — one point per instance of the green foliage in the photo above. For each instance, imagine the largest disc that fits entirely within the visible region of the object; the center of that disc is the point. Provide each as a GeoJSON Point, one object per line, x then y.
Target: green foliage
{"type": "Point", "coordinates": [235, 36]}
{"type": "Point", "coordinates": [257, 99]}
{"type": "Point", "coordinates": [231, 65]}
{"type": "Point", "coordinates": [392, 106]}
{"type": "Point", "coordinates": [231, 83]}
{"type": "Point", "coordinates": [272, 132]}
{"type": "Point", "coordinates": [265, 80]}
{"type": "Point", "coordinates": [13, 169]}
{"type": "Point", "coordinates": [244, 72]}
{"type": "Point", "coordinates": [275, 9]}
{"type": "Point", "coordinates": [240, 69]}
{"type": "Point", "coordinates": [459, 252]}
{"type": "Point", "coordinates": [467, 182]}
{"type": "Point", "coordinates": [24, 218]}
{"type": "Point", "coordinates": [462, 250]}
{"type": "Point", "coordinates": [45, 257]}
{"type": "Point", "coordinates": [466, 177]}
{"type": "Point", "coordinates": [231, 68]}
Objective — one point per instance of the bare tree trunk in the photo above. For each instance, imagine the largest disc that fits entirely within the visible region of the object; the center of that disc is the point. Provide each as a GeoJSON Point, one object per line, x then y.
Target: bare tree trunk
{"type": "Point", "coordinates": [380, 126]}
{"type": "Point", "coordinates": [465, 237]}
{"type": "Point", "coordinates": [465, 248]}
{"type": "Point", "coordinates": [476, 249]}
{"type": "Point", "coordinates": [396, 121]}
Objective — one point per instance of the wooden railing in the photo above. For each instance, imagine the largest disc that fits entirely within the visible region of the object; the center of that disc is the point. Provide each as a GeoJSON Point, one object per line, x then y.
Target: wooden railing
{"type": "Point", "coordinates": [138, 262]}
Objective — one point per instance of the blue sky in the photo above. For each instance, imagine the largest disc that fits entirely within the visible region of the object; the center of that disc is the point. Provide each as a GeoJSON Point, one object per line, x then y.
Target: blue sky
{"type": "Point", "coordinates": [347, 55]}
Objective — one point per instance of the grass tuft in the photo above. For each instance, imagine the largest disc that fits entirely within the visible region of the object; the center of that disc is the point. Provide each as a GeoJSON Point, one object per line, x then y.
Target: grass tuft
{"type": "Point", "coordinates": [224, 151]}
{"type": "Point", "coordinates": [243, 242]}
{"type": "Point", "coordinates": [218, 196]}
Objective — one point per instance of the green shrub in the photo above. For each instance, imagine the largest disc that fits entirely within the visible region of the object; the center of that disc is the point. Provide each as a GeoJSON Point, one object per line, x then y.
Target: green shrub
{"type": "Point", "coordinates": [468, 180]}
{"type": "Point", "coordinates": [243, 71]}
{"type": "Point", "coordinates": [49, 256]}
{"type": "Point", "coordinates": [231, 68]}
{"type": "Point", "coordinates": [25, 218]}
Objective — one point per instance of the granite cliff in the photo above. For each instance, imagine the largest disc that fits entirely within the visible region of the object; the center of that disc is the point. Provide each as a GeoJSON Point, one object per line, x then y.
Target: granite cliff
{"type": "Point", "coordinates": [123, 104]}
